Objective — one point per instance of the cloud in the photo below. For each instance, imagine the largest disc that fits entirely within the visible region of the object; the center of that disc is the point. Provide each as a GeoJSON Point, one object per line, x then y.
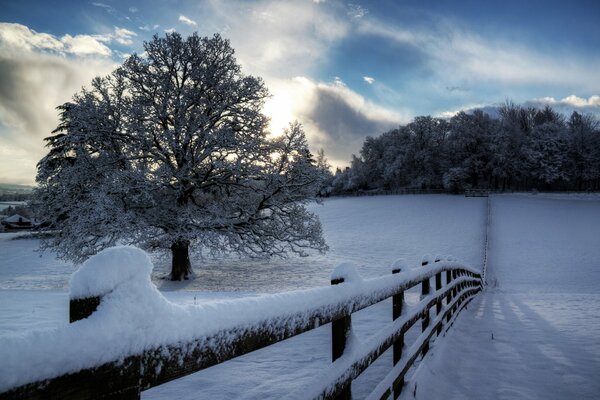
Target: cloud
{"type": "Point", "coordinates": [356, 11]}
{"type": "Point", "coordinates": [149, 28]}
{"type": "Point", "coordinates": [455, 55]}
{"type": "Point", "coordinates": [335, 117]}
{"type": "Point", "coordinates": [170, 30]}
{"type": "Point", "coordinates": [83, 45]}
{"type": "Point", "coordinates": [369, 79]}
{"type": "Point", "coordinates": [187, 21]}
{"type": "Point", "coordinates": [269, 45]}
{"type": "Point", "coordinates": [16, 38]}
{"type": "Point", "coordinates": [37, 73]}
{"type": "Point", "coordinates": [133, 10]}
{"type": "Point", "coordinates": [571, 103]}
{"type": "Point", "coordinates": [106, 7]}
{"type": "Point", "coordinates": [124, 36]}
{"type": "Point", "coordinates": [565, 106]}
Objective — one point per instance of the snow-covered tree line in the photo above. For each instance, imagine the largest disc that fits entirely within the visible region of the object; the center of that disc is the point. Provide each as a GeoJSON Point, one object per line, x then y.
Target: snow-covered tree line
{"type": "Point", "coordinates": [523, 148]}
{"type": "Point", "coordinates": [172, 151]}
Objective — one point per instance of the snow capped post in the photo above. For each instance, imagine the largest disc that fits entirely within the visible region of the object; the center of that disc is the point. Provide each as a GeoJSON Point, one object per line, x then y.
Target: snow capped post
{"type": "Point", "coordinates": [82, 308]}
{"type": "Point", "coordinates": [438, 286]}
{"type": "Point", "coordinates": [425, 287]}
{"type": "Point", "coordinates": [397, 302]}
{"type": "Point", "coordinates": [449, 296]}
{"type": "Point", "coordinates": [101, 274]}
{"type": "Point", "coordinates": [340, 328]}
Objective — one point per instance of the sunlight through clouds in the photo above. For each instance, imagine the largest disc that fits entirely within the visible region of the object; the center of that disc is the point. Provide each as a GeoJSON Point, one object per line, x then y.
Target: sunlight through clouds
{"type": "Point", "coordinates": [370, 65]}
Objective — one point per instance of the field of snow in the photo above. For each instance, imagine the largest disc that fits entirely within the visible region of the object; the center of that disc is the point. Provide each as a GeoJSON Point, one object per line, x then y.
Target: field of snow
{"type": "Point", "coordinates": [534, 332]}
{"type": "Point", "coordinates": [543, 318]}
{"type": "Point", "coordinates": [369, 232]}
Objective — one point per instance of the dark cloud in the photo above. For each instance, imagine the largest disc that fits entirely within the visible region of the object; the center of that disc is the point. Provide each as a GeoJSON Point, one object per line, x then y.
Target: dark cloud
{"type": "Point", "coordinates": [343, 125]}
{"type": "Point", "coordinates": [31, 87]}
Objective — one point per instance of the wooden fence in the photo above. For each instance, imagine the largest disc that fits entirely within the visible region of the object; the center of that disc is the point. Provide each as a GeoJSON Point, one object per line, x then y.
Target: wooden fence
{"type": "Point", "coordinates": [453, 287]}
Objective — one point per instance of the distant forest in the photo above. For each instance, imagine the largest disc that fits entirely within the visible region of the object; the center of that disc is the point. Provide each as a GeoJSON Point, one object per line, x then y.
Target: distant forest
{"type": "Point", "coordinates": [524, 148]}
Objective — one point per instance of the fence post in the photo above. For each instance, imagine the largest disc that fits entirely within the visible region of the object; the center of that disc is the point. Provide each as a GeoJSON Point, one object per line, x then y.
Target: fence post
{"type": "Point", "coordinates": [425, 320]}
{"type": "Point", "coordinates": [438, 305]}
{"type": "Point", "coordinates": [82, 308]}
{"type": "Point", "coordinates": [339, 334]}
{"type": "Point", "coordinates": [397, 301]}
{"type": "Point", "coordinates": [449, 296]}
{"type": "Point", "coordinates": [110, 382]}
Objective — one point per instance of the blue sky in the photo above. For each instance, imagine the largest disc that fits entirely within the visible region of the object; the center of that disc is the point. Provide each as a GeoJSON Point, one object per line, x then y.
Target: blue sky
{"type": "Point", "coordinates": [346, 70]}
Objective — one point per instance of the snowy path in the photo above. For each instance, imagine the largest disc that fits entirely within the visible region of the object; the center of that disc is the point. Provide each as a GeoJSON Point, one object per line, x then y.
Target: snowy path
{"type": "Point", "coordinates": [533, 334]}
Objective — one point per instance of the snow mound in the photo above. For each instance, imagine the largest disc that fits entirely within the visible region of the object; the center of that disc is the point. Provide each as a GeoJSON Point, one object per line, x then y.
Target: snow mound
{"type": "Point", "coordinates": [112, 267]}
{"type": "Point", "coordinates": [427, 259]}
{"type": "Point", "coordinates": [346, 271]}
{"type": "Point", "coordinates": [400, 264]}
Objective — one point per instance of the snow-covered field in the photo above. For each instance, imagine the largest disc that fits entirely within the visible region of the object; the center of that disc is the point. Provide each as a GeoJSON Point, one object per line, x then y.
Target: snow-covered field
{"type": "Point", "coordinates": [534, 332]}
{"type": "Point", "coordinates": [534, 240]}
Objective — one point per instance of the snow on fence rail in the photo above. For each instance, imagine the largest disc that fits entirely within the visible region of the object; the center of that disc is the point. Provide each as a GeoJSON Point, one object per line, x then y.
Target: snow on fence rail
{"type": "Point", "coordinates": [126, 337]}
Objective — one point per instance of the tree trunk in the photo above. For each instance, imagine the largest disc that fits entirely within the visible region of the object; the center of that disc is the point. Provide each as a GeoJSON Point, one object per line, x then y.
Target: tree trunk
{"type": "Point", "coordinates": [181, 267]}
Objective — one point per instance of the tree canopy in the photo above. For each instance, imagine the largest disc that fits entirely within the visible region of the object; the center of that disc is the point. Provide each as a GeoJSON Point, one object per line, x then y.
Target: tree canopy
{"type": "Point", "coordinates": [521, 148]}
{"type": "Point", "coordinates": [172, 149]}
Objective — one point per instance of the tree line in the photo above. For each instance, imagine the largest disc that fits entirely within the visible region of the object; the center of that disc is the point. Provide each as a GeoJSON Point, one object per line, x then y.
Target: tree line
{"type": "Point", "coordinates": [523, 148]}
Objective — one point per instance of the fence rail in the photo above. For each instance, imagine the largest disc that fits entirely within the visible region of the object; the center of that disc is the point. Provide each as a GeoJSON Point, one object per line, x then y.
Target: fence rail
{"type": "Point", "coordinates": [127, 376]}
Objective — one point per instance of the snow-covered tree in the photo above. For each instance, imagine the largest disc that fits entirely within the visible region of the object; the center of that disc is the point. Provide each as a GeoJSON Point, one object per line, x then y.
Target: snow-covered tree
{"type": "Point", "coordinates": [584, 141]}
{"type": "Point", "coordinates": [468, 147]}
{"type": "Point", "coordinates": [546, 153]}
{"type": "Point", "coordinates": [170, 150]}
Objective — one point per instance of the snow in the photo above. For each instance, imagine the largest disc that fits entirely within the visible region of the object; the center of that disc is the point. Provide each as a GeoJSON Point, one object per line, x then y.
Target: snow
{"type": "Point", "coordinates": [16, 218]}
{"type": "Point", "coordinates": [347, 272]}
{"type": "Point", "coordinates": [369, 232]}
{"type": "Point", "coordinates": [544, 319]}
{"type": "Point", "coordinates": [401, 265]}
{"type": "Point", "coordinates": [108, 269]}
{"type": "Point", "coordinates": [533, 334]}
{"type": "Point", "coordinates": [133, 316]}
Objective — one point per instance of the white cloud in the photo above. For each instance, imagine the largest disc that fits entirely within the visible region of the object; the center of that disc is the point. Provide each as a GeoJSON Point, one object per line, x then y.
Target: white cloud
{"type": "Point", "coordinates": [149, 28]}
{"type": "Point", "coordinates": [581, 102]}
{"type": "Point", "coordinates": [565, 106]}
{"type": "Point", "coordinates": [133, 10]}
{"type": "Point", "coordinates": [83, 45]}
{"type": "Point", "coordinates": [16, 38]}
{"type": "Point", "coordinates": [279, 39]}
{"type": "Point", "coordinates": [572, 100]}
{"type": "Point", "coordinates": [170, 30]}
{"type": "Point", "coordinates": [357, 11]}
{"type": "Point", "coordinates": [124, 36]}
{"type": "Point", "coordinates": [369, 79]}
{"type": "Point", "coordinates": [571, 103]}
{"type": "Point", "coordinates": [187, 21]}
{"type": "Point", "coordinates": [337, 81]}
{"type": "Point", "coordinates": [107, 7]}
{"type": "Point", "coordinates": [459, 56]}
